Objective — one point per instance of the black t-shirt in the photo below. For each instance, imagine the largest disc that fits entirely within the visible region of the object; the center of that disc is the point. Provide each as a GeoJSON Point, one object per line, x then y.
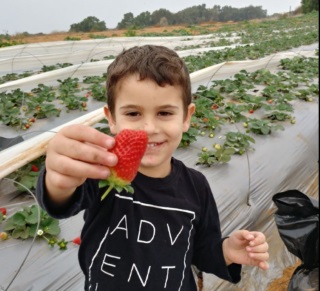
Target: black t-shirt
{"type": "Point", "coordinates": [148, 240]}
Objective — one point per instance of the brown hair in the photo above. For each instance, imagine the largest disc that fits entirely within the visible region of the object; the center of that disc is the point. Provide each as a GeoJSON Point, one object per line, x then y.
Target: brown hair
{"type": "Point", "coordinates": [157, 63]}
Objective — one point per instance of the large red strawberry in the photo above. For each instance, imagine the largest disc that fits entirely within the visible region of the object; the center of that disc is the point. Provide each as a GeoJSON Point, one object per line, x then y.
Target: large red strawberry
{"type": "Point", "coordinates": [130, 147]}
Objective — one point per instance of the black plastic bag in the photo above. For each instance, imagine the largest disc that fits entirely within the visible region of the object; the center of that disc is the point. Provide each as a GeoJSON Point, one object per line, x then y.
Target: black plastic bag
{"type": "Point", "coordinates": [297, 219]}
{"type": "Point", "coordinates": [8, 142]}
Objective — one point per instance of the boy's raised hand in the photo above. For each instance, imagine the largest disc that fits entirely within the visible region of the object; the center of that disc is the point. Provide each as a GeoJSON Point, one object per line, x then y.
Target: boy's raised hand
{"type": "Point", "coordinates": [75, 153]}
{"type": "Point", "coordinates": [246, 248]}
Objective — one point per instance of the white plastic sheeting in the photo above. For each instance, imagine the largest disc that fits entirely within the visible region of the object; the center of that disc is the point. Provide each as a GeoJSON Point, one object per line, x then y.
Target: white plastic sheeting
{"type": "Point", "coordinates": [34, 56]}
{"type": "Point", "coordinates": [243, 188]}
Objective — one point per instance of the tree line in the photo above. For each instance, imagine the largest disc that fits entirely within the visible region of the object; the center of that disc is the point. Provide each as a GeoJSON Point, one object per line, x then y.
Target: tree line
{"type": "Point", "coordinates": [190, 16]}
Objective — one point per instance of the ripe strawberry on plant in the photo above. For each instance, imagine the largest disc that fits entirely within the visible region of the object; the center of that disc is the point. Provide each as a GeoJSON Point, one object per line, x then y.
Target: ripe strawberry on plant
{"type": "Point", "coordinates": [77, 240]}
{"type": "Point", "coordinates": [3, 210]}
{"type": "Point", "coordinates": [34, 168]}
{"type": "Point", "coordinates": [130, 146]}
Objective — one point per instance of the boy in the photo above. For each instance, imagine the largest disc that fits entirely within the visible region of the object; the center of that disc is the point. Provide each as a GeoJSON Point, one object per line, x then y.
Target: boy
{"type": "Point", "coordinates": [148, 240]}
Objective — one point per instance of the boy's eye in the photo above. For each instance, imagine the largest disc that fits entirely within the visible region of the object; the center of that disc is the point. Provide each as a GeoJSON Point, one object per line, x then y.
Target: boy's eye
{"type": "Point", "coordinates": [133, 113]}
{"type": "Point", "coordinates": [165, 113]}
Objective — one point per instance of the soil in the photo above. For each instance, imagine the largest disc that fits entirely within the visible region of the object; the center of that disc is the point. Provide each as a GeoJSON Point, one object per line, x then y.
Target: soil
{"type": "Point", "coordinates": [281, 284]}
{"type": "Point", "coordinates": [60, 36]}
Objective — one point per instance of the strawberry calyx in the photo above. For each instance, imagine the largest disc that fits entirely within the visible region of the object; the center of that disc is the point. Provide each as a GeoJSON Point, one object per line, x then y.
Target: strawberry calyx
{"type": "Point", "coordinates": [116, 183]}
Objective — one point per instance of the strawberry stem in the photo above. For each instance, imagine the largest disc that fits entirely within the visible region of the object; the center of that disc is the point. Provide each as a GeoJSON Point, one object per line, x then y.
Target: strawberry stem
{"type": "Point", "coordinates": [107, 192]}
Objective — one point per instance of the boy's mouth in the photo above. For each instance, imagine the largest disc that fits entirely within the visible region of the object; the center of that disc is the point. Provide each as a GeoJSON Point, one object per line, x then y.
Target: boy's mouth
{"type": "Point", "coordinates": [153, 144]}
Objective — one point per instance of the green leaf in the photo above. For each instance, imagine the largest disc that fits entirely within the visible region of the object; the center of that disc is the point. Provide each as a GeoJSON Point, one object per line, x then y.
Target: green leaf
{"type": "Point", "coordinates": [18, 219]}
{"type": "Point", "coordinates": [46, 221]}
{"type": "Point", "coordinates": [25, 233]}
{"type": "Point", "coordinates": [33, 217]}
{"type": "Point", "coordinates": [19, 232]}
{"type": "Point", "coordinates": [27, 181]}
{"type": "Point", "coordinates": [53, 228]}
{"type": "Point", "coordinates": [225, 158]}
{"type": "Point", "coordinates": [10, 225]}
{"type": "Point", "coordinates": [32, 230]}
{"type": "Point", "coordinates": [265, 130]}
{"type": "Point", "coordinates": [229, 151]}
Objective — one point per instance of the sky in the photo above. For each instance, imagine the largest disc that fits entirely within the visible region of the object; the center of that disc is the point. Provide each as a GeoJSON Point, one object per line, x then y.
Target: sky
{"type": "Point", "coordinates": [46, 16]}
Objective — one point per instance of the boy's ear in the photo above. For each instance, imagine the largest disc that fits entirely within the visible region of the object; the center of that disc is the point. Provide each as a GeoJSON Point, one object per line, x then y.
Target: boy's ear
{"type": "Point", "coordinates": [111, 121]}
{"type": "Point", "coordinates": [186, 123]}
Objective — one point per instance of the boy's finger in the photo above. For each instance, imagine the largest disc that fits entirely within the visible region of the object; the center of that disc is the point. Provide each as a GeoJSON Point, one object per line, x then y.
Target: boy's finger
{"type": "Point", "coordinates": [256, 238]}
{"type": "Point", "coordinates": [85, 152]}
{"type": "Point", "coordinates": [78, 169]}
{"type": "Point", "coordinates": [261, 248]}
{"type": "Point", "coordinates": [88, 134]}
{"type": "Point", "coordinates": [259, 256]}
{"type": "Point", "coordinates": [263, 265]}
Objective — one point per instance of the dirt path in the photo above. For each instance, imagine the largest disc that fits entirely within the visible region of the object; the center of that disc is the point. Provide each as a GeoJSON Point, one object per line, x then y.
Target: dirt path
{"type": "Point", "coordinates": [280, 284]}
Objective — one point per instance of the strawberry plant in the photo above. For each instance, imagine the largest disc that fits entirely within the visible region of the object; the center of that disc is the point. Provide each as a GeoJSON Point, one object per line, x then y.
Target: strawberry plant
{"type": "Point", "coordinates": [10, 112]}
{"type": "Point", "coordinates": [189, 137]}
{"type": "Point", "coordinates": [239, 141]}
{"type": "Point", "coordinates": [94, 79]}
{"type": "Point", "coordinates": [43, 93]}
{"type": "Point", "coordinates": [234, 112]}
{"type": "Point", "coordinates": [68, 85]}
{"type": "Point", "coordinates": [211, 93]}
{"type": "Point", "coordinates": [73, 102]}
{"type": "Point", "coordinates": [98, 92]}
{"type": "Point", "coordinates": [68, 94]}
{"type": "Point", "coordinates": [55, 67]}
{"type": "Point", "coordinates": [304, 94]}
{"type": "Point", "coordinates": [3, 214]}
{"type": "Point", "coordinates": [278, 115]}
{"type": "Point", "coordinates": [24, 224]}
{"type": "Point", "coordinates": [299, 65]}
{"type": "Point", "coordinates": [46, 110]}
{"type": "Point", "coordinates": [27, 175]}
{"type": "Point", "coordinates": [314, 89]}
{"type": "Point", "coordinates": [48, 68]}
{"type": "Point", "coordinates": [130, 146]}
{"type": "Point", "coordinates": [14, 76]}
{"type": "Point", "coordinates": [220, 155]}
{"type": "Point", "coordinates": [262, 127]}
{"type": "Point", "coordinates": [253, 102]}
{"type": "Point", "coordinates": [206, 114]}
{"type": "Point", "coordinates": [30, 223]}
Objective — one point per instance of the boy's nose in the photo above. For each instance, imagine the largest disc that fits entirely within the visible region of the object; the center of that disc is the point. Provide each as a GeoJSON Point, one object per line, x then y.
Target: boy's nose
{"type": "Point", "coordinates": [150, 126]}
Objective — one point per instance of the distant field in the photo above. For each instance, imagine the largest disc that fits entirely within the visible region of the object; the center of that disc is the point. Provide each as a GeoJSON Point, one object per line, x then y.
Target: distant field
{"type": "Point", "coordinates": [175, 29]}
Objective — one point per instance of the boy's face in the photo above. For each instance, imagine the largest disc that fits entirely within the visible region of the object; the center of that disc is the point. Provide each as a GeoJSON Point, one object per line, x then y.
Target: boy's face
{"type": "Point", "coordinates": [157, 110]}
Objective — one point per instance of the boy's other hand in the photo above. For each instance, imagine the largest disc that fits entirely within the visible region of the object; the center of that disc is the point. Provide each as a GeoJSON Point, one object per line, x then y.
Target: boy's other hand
{"type": "Point", "coordinates": [246, 248]}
